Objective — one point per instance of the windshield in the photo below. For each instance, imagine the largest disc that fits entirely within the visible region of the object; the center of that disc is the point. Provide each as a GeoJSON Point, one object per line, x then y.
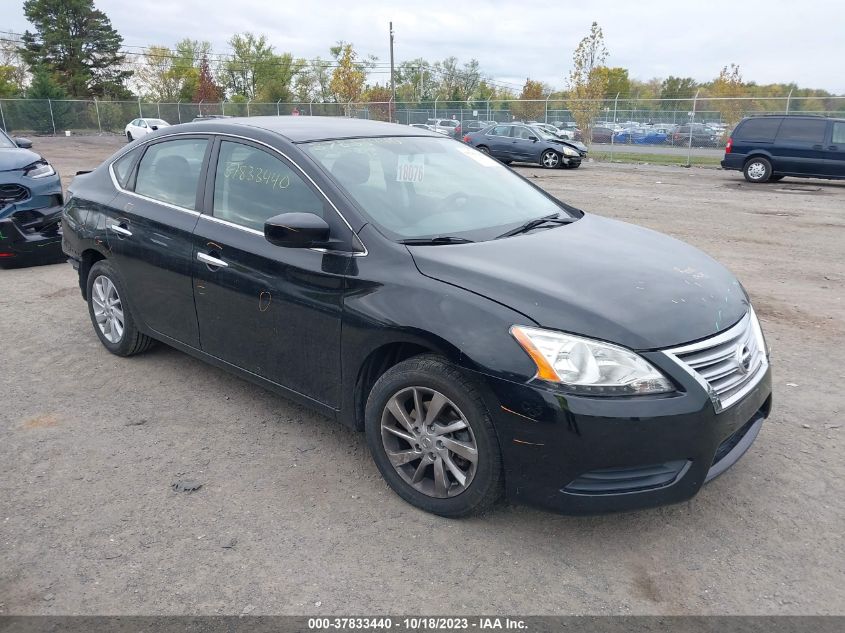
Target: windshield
{"type": "Point", "coordinates": [5, 141]}
{"type": "Point", "coordinates": [419, 187]}
{"type": "Point", "coordinates": [156, 122]}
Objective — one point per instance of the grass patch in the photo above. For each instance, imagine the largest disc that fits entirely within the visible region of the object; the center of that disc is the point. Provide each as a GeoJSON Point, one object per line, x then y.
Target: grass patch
{"type": "Point", "coordinates": [654, 159]}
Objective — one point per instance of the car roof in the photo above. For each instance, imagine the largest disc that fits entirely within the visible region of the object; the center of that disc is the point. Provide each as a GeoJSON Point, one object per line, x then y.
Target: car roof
{"type": "Point", "coordinates": [304, 129]}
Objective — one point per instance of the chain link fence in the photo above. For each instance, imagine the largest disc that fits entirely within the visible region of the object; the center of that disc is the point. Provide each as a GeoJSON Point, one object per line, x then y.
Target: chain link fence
{"type": "Point", "coordinates": [700, 121]}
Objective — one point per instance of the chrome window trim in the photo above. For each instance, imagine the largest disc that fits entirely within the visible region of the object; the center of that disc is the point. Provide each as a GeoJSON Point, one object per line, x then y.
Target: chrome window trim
{"type": "Point", "coordinates": [251, 140]}
{"type": "Point", "coordinates": [749, 321]}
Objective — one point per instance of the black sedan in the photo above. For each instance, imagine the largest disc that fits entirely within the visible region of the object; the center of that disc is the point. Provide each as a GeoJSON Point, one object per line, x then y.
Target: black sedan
{"type": "Point", "coordinates": [30, 206]}
{"type": "Point", "coordinates": [524, 143]}
{"type": "Point", "coordinates": [485, 336]}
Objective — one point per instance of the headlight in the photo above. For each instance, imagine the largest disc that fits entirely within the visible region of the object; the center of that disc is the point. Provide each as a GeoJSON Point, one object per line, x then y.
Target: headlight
{"type": "Point", "coordinates": [41, 169]}
{"type": "Point", "coordinates": [589, 367]}
{"type": "Point", "coordinates": [568, 151]}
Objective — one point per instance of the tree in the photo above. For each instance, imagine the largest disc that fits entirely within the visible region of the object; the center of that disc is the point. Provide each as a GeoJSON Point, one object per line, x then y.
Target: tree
{"type": "Point", "coordinates": [616, 80]}
{"type": "Point", "coordinates": [378, 97]}
{"type": "Point", "coordinates": [312, 82]}
{"type": "Point", "coordinates": [255, 71]}
{"type": "Point", "coordinates": [13, 70]}
{"type": "Point", "coordinates": [530, 105]}
{"type": "Point", "coordinates": [349, 75]}
{"type": "Point", "coordinates": [155, 76]}
{"type": "Point", "coordinates": [75, 43]}
{"type": "Point", "coordinates": [186, 65]}
{"type": "Point", "coordinates": [678, 88]}
{"type": "Point", "coordinates": [206, 89]}
{"type": "Point", "coordinates": [587, 84]}
{"type": "Point", "coordinates": [47, 94]}
{"type": "Point", "coordinates": [728, 86]}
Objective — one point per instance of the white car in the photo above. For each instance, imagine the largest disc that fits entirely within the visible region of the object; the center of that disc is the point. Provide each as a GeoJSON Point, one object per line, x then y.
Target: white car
{"type": "Point", "coordinates": [142, 127]}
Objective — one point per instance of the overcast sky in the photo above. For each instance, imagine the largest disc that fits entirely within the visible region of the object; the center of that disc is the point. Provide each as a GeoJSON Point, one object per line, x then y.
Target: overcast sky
{"type": "Point", "coordinates": [771, 40]}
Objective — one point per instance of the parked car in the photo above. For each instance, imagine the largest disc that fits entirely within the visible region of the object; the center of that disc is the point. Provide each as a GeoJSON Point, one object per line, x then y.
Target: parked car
{"type": "Point", "coordinates": [601, 134]}
{"type": "Point", "coordinates": [640, 136]}
{"type": "Point", "coordinates": [449, 127]}
{"type": "Point", "coordinates": [484, 335]}
{"type": "Point", "coordinates": [702, 136]}
{"type": "Point", "coordinates": [423, 126]}
{"type": "Point", "coordinates": [520, 142]}
{"type": "Point", "coordinates": [30, 205]}
{"type": "Point", "coordinates": [141, 127]}
{"type": "Point", "coordinates": [770, 147]}
{"type": "Point", "coordinates": [469, 127]}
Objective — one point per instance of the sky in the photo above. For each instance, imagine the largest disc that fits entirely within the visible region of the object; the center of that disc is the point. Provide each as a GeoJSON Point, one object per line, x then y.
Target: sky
{"type": "Point", "coordinates": [772, 40]}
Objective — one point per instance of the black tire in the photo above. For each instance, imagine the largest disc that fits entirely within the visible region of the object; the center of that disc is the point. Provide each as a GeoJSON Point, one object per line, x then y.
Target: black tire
{"type": "Point", "coordinates": [484, 149]}
{"type": "Point", "coordinates": [131, 341]}
{"type": "Point", "coordinates": [757, 169]}
{"type": "Point", "coordinates": [129, 138]}
{"type": "Point", "coordinates": [550, 159]}
{"type": "Point", "coordinates": [436, 373]}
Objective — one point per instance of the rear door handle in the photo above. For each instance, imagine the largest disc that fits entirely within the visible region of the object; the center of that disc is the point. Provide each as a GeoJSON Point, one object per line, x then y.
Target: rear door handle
{"type": "Point", "coordinates": [120, 230]}
{"type": "Point", "coordinates": [211, 261]}
{"type": "Point", "coordinates": [818, 146]}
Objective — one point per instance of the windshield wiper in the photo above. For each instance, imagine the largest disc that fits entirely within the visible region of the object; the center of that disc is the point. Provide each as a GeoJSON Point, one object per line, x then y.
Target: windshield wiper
{"type": "Point", "coordinates": [538, 222]}
{"type": "Point", "coordinates": [435, 241]}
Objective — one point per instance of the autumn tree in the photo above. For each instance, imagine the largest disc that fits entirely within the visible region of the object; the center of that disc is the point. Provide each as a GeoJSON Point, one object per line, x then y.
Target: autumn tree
{"type": "Point", "coordinates": [255, 71]}
{"type": "Point", "coordinates": [727, 87]}
{"type": "Point", "coordinates": [155, 77]}
{"type": "Point", "coordinates": [587, 84]}
{"type": "Point", "coordinates": [349, 74]}
{"type": "Point", "coordinates": [206, 89]}
{"type": "Point", "coordinates": [13, 70]}
{"type": "Point", "coordinates": [77, 45]}
{"type": "Point", "coordinates": [378, 99]}
{"type": "Point", "coordinates": [530, 106]}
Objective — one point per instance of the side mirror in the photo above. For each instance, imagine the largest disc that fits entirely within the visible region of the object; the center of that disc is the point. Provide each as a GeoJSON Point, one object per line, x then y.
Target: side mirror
{"type": "Point", "coordinates": [296, 230]}
{"type": "Point", "coordinates": [533, 139]}
{"type": "Point", "coordinates": [23, 143]}
{"type": "Point", "coordinates": [154, 128]}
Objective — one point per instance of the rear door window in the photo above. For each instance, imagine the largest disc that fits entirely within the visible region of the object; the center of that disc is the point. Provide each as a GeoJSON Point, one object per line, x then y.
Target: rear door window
{"type": "Point", "coordinates": [500, 130]}
{"type": "Point", "coordinates": [170, 171]}
{"type": "Point", "coordinates": [802, 130]}
{"type": "Point", "coordinates": [839, 133]}
{"type": "Point", "coordinates": [759, 129]}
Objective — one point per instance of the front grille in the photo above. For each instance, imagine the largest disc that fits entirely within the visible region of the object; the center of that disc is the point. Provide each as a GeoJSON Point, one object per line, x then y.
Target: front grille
{"type": "Point", "coordinates": [730, 363]}
{"type": "Point", "coordinates": [621, 480]}
{"type": "Point", "coordinates": [10, 194]}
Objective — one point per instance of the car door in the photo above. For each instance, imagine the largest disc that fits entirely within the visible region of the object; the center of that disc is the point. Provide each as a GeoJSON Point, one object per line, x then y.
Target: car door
{"type": "Point", "coordinates": [835, 150]}
{"type": "Point", "coordinates": [273, 311]}
{"type": "Point", "coordinates": [522, 147]}
{"type": "Point", "coordinates": [498, 140]}
{"type": "Point", "coordinates": [799, 146]}
{"type": "Point", "coordinates": [149, 232]}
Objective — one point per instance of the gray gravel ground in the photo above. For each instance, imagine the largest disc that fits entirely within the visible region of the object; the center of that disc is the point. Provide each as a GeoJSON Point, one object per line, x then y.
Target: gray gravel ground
{"type": "Point", "coordinates": [293, 517]}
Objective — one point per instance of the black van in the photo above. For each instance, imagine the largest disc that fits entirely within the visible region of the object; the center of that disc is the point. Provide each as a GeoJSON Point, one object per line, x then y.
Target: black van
{"type": "Point", "coordinates": [770, 147]}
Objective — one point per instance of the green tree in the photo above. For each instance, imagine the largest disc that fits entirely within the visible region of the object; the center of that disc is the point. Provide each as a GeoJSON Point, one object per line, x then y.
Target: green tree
{"type": "Point", "coordinates": [156, 77]}
{"type": "Point", "coordinates": [678, 88]}
{"type": "Point", "coordinates": [255, 71]}
{"type": "Point", "coordinates": [13, 70]}
{"type": "Point", "coordinates": [727, 87]}
{"type": "Point", "coordinates": [46, 94]}
{"type": "Point", "coordinates": [76, 43]}
{"type": "Point", "coordinates": [587, 84]}
{"type": "Point", "coordinates": [617, 82]}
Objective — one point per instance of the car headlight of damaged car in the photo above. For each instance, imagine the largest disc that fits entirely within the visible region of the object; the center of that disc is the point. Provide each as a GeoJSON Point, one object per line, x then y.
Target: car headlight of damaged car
{"type": "Point", "coordinates": [589, 367]}
{"type": "Point", "coordinates": [568, 151]}
{"type": "Point", "coordinates": [40, 169]}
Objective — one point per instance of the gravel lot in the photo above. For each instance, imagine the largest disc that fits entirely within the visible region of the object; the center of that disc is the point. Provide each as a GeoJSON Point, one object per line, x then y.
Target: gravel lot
{"type": "Point", "coordinates": [293, 517]}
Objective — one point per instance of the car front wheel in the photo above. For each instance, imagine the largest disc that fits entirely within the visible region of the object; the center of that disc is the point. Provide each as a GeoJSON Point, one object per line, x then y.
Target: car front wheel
{"type": "Point", "coordinates": [550, 159]}
{"type": "Point", "coordinates": [432, 438]}
{"type": "Point", "coordinates": [110, 315]}
{"type": "Point", "coordinates": [129, 138]}
{"type": "Point", "coordinates": [757, 169]}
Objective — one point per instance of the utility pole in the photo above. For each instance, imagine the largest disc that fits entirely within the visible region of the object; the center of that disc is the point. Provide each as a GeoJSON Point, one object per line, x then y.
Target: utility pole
{"type": "Point", "coordinates": [392, 79]}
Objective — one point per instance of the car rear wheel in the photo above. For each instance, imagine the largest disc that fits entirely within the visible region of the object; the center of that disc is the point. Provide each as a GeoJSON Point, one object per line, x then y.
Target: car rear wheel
{"type": "Point", "coordinates": [550, 159]}
{"type": "Point", "coordinates": [129, 138]}
{"type": "Point", "coordinates": [432, 438]}
{"type": "Point", "coordinates": [484, 148]}
{"type": "Point", "coordinates": [110, 315]}
{"type": "Point", "coordinates": [757, 169]}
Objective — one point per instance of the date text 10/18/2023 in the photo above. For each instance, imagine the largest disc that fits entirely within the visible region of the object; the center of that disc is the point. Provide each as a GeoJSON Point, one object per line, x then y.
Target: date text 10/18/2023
{"type": "Point", "coordinates": [485, 623]}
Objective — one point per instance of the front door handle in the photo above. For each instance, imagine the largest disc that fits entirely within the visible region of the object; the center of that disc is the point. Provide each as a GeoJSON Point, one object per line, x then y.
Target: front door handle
{"type": "Point", "coordinates": [211, 261]}
{"type": "Point", "coordinates": [121, 230]}
{"type": "Point", "coordinates": [817, 146]}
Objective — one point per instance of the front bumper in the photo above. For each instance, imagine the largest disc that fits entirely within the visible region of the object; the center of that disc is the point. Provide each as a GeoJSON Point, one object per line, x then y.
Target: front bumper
{"type": "Point", "coordinates": [24, 244]}
{"type": "Point", "coordinates": [579, 455]}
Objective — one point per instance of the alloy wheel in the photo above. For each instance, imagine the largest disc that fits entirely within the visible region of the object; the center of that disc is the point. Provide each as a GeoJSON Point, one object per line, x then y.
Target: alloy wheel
{"type": "Point", "coordinates": [108, 309]}
{"type": "Point", "coordinates": [550, 159]}
{"type": "Point", "coordinates": [429, 442]}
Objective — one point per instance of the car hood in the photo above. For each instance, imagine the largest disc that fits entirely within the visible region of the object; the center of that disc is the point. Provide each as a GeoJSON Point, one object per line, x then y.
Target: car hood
{"type": "Point", "coordinates": [16, 158]}
{"type": "Point", "coordinates": [599, 278]}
